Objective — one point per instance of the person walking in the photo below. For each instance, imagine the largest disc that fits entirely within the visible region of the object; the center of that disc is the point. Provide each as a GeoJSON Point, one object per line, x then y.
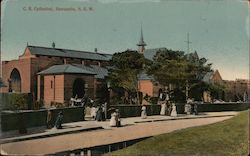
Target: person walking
{"type": "Point", "coordinates": [59, 120]}
{"type": "Point", "coordinates": [104, 111]}
{"type": "Point", "coordinates": [163, 108]}
{"type": "Point", "coordinates": [173, 112]}
{"type": "Point", "coordinates": [99, 114]}
{"type": "Point", "coordinates": [143, 112]}
{"type": "Point", "coordinates": [169, 109]}
{"type": "Point", "coordinates": [49, 119]}
{"type": "Point", "coordinates": [112, 122]}
{"type": "Point", "coordinates": [195, 109]}
{"type": "Point", "coordinates": [93, 112]}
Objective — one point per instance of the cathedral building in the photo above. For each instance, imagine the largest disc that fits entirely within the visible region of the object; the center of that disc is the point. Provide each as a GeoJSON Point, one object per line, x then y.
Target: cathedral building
{"type": "Point", "coordinates": [53, 74]}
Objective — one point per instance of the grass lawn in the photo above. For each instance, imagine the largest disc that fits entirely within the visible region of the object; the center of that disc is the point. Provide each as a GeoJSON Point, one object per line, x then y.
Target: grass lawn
{"type": "Point", "coordinates": [229, 137]}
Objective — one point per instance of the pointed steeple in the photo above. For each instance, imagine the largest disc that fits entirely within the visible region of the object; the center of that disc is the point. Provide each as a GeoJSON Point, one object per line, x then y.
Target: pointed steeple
{"type": "Point", "coordinates": [141, 44]}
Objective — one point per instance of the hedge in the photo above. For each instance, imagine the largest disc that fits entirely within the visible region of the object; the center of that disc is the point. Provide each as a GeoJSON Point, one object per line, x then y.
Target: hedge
{"type": "Point", "coordinates": [14, 101]}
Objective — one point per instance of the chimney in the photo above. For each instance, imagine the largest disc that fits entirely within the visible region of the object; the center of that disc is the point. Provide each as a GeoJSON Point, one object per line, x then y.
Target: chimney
{"type": "Point", "coordinates": [95, 50]}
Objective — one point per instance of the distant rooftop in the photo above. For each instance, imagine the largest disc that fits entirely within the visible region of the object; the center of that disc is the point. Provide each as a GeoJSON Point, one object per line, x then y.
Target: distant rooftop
{"type": "Point", "coordinates": [65, 69]}
{"type": "Point", "coordinates": [100, 72]}
{"type": "Point", "coordinates": [47, 51]}
{"type": "Point", "coordinates": [207, 76]}
{"type": "Point", "coordinates": [144, 76]}
{"type": "Point", "coordinates": [150, 53]}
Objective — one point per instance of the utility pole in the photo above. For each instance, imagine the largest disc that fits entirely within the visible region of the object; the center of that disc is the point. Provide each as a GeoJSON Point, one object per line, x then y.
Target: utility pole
{"type": "Point", "coordinates": [188, 42]}
{"type": "Point", "coordinates": [187, 85]}
{"type": "Point", "coordinates": [187, 90]}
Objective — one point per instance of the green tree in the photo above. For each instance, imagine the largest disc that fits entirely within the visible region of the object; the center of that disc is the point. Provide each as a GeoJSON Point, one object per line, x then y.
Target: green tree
{"type": "Point", "coordinates": [124, 72]}
{"type": "Point", "coordinates": [216, 90]}
{"type": "Point", "coordinates": [174, 67]}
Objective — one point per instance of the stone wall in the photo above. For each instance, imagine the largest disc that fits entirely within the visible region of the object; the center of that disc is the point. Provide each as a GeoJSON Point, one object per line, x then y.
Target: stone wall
{"type": "Point", "coordinates": [11, 120]}
{"type": "Point", "coordinates": [135, 110]}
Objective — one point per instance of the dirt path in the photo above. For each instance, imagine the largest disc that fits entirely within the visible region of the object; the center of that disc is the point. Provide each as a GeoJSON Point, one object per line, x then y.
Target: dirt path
{"type": "Point", "coordinates": [102, 137]}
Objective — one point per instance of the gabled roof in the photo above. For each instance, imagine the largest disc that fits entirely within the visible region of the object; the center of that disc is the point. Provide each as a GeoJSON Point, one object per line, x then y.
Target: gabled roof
{"type": "Point", "coordinates": [207, 77]}
{"type": "Point", "coordinates": [150, 53]}
{"type": "Point", "coordinates": [63, 69]}
{"type": "Point", "coordinates": [100, 72]}
{"type": "Point", "coordinates": [144, 76]}
{"type": "Point", "coordinates": [45, 51]}
{"type": "Point", "coordinates": [213, 76]}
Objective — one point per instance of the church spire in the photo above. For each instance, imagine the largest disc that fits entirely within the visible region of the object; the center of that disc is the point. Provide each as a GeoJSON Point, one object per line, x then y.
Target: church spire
{"type": "Point", "coordinates": [141, 45]}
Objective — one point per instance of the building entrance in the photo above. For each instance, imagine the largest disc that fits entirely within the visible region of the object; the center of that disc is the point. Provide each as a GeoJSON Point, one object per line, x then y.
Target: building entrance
{"type": "Point", "coordinates": [78, 88]}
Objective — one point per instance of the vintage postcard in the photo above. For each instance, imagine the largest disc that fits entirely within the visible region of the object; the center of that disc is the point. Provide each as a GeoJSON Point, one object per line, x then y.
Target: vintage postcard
{"type": "Point", "coordinates": [124, 77]}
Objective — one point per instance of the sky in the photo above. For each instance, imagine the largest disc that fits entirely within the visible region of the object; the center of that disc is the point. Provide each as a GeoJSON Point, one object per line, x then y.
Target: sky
{"type": "Point", "coordinates": [218, 29]}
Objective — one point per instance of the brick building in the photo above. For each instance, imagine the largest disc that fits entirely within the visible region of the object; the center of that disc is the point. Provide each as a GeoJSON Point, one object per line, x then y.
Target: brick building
{"type": "Point", "coordinates": [54, 74]}
{"type": "Point", "coordinates": [212, 77]}
{"type": "Point", "coordinates": [237, 90]}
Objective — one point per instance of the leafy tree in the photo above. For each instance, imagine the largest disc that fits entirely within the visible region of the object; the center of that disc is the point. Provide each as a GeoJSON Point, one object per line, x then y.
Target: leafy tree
{"type": "Point", "coordinates": [174, 67]}
{"type": "Point", "coordinates": [102, 94]}
{"type": "Point", "coordinates": [124, 72]}
{"type": "Point", "coordinates": [216, 90]}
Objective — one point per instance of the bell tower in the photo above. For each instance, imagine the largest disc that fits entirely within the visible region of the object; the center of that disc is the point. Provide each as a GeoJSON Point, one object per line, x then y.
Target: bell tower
{"type": "Point", "coordinates": [141, 44]}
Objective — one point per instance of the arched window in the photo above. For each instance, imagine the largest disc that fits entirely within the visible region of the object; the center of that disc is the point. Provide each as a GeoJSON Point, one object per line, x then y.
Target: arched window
{"type": "Point", "coordinates": [15, 81]}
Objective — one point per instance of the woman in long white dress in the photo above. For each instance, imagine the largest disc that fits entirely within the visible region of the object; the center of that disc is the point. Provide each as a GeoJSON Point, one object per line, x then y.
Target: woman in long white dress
{"type": "Point", "coordinates": [112, 122]}
{"type": "Point", "coordinates": [186, 108]}
{"type": "Point", "coordinates": [173, 112]}
{"type": "Point", "coordinates": [143, 112]}
{"type": "Point", "coordinates": [93, 112]}
{"type": "Point", "coordinates": [163, 108]}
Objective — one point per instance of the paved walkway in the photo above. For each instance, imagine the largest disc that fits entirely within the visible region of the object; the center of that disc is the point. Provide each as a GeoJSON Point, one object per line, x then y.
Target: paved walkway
{"type": "Point", "coordinates": [133, 128]}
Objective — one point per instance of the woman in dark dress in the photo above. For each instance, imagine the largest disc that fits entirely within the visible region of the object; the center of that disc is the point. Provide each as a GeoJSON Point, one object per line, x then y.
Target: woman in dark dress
{"type": "Point", "coordinates": [59, 120]}
{"type": "Point", "coordinates": [99, 114]}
